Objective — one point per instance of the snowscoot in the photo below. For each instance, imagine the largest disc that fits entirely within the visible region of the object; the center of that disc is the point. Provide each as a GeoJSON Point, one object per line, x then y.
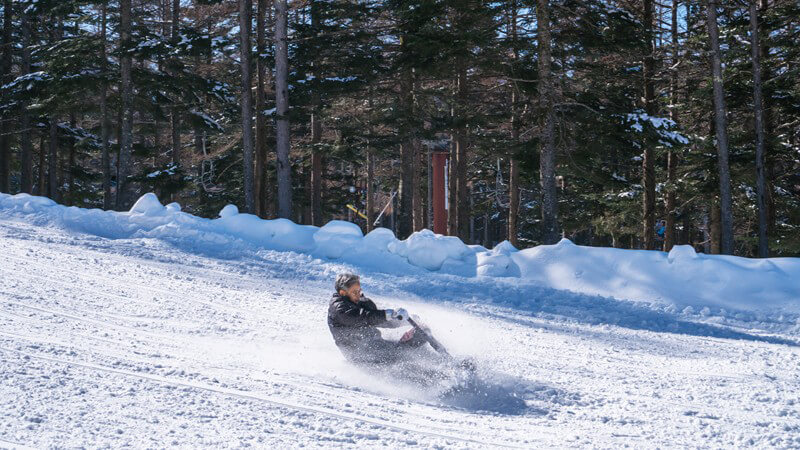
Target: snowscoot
{"type": "Point", "coordinates": [440, 368]}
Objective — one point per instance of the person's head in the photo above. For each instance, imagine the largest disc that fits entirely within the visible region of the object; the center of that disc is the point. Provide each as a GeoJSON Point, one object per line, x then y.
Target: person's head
{"type": "Point", "coordinates": [348, 285]}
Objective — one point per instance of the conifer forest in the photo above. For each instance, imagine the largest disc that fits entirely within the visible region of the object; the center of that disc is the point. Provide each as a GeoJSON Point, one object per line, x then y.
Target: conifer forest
{"type": "Point", "coordinates": [638, 124]}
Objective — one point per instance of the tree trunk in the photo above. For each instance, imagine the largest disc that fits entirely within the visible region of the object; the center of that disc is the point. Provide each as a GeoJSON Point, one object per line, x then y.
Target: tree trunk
{"type": "Point", "coordinates": [670, 202]}
{"type": "Point", "coordinates": [104, 131]}
{"type": "Point", "coordinates": [648, 162]}
{"type": "Point", "coordinates": [245, 26]}
{"type": "Point", "coordinates": [429, 182]}
{"type": "Point", "coordinates": [260, 182]}
{"type": "Point", "coordinates": [405, 224]}
{"type": "Point", "coordinates": [416, 198]}
{"type": "Point", "coordinates": [720, 115]}
{"type": "Point", "coordinates": [5, 77]}
{"type": "Point", "coordinates": [126, 94]}
{"type": "Point", "coordinates": [42, 174]}
{"type": "Point", "coordinates": [513, 175]}
{"type": "Point", "coordinates": [175, 119]}
{"type": "Point", "coordinates": [316, 174]}
{"type": "Point", "coordinates": [71, 165]}
{"type": "Point", "coordinates": [370, 172]}
{"type": "Point", "coordinates": [769, 160]}
{"type": "Point", "coordinates": [316, 130]}
{"type": "Point", "coordinates": [118, 130]}
{"type": "Point", "coordinates": [282, 110]}
{"type": "Point", "coordinates": [461, 157]}
{"type": "Point", "coordinates": [370, 189]}
{"type": "Point", "coordinates": [26, 143]}
{"type": "Point", "coordinates": [452, 190]}
{"type": "Point", "coordinates": [486, 233]}
{"type": "Point", "coordinates": [715, 229]}
{"type": "Point", "coordinates": [306, 204]}
{"type": "Point", "coordinates": [758, 112]}
{"type": "Point", "coordinates": [52, 161]}
{"type": "Point", "coordinates": [547, 161]}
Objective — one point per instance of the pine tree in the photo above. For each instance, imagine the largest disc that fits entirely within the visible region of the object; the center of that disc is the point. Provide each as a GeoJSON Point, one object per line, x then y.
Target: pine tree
{"type": "Point", "coordinates": [125, 164]}
{"type": "Point", "coordinates": [758, 112]}
{"type": "Point", "coordinates": [282, 110]}
{"type": "Point", "coordinates": [245, 27]}
{"type": "Point", "coordinates": [5, 75]}
{"type": "Point", "coordinates": [547, 165]}
{"type": "Point", "coordinates": [720, 125]}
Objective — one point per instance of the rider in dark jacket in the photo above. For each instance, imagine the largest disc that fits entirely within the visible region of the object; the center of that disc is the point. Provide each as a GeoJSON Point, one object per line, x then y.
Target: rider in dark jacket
{"type": "Point", "coordinates": [354, 320]}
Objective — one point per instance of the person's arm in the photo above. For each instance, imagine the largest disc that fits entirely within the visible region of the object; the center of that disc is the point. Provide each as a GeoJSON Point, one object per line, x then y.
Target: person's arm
{"type": "Point", "coordinates": [352, 315]}
{"type": "Point", "coordinates": [388, 322]}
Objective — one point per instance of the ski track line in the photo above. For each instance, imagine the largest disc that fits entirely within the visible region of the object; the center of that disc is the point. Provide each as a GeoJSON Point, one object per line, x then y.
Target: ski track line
{"type": "Point", "coordinates": [343, 391]}
{"type": "Point", "coordinates": [50, 336]}
{"type": "Point", "coordinates": [99, 315]}
{"type": "Point", "coordinates": [128, 358]}
{"type": "Point", "coordinates": [160, 337]}
{"type": "Point", "coordinates": [257, 285]}
{"type": "Point", "coordinates": [642, 399]}
{"type": "Point", "coordinates": [125, 342]}
{"type": "Point", "coordinates": [190, 365]}
{"type": "Point", "coordinates": [14, 445]}
{"type": "Point", "coordinates": [230, 267]}
{"type": "Point", "coordinates": [612, 391]}
{"type": "Point", "coordinates": [172, 296]}
{"type": "Point", "coordinates": [262, 398]}
{"type": "Point", "coordinates": [111, 282]}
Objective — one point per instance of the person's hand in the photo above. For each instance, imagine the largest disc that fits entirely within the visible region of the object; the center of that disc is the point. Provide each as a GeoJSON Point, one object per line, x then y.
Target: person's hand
{"type": "Point", "coordinates": [419, 322]}
{"type": "Point", "coordinates": [398, 315]}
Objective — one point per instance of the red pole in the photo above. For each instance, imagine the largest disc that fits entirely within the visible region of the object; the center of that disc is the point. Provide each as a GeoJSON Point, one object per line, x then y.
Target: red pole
{"type": "Point", "coordinates": [439, 213]}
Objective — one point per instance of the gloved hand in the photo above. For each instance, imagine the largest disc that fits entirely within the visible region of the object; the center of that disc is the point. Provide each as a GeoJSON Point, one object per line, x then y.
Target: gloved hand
{"type": "Point", "coordinates": [398, 315]}
{"type": "Point", "coordinates": [419, 322]}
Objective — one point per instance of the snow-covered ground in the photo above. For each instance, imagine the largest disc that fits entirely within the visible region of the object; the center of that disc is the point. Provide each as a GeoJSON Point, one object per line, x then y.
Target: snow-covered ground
{"type": "Point", "coordinates": [153, 339]}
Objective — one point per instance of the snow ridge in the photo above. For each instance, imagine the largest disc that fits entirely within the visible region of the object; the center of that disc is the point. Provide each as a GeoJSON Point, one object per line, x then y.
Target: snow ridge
{"type": "Point", "coordinates": [679, 281]}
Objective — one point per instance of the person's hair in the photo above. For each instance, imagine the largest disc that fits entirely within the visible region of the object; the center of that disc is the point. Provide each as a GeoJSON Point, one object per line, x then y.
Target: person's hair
{"type": "Point", "coordinates": [345, 280]}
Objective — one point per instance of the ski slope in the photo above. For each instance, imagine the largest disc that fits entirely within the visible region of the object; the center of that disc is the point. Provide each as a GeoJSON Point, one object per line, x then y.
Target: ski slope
{"type": "Point", "coordinates": [147, 342]}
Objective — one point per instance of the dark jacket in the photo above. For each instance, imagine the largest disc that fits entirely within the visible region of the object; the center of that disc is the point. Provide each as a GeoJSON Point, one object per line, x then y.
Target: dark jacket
{"type": "Point", "coordinates": [354, 326]}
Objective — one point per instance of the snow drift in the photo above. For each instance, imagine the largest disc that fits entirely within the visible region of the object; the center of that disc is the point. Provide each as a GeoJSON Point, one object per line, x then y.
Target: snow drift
{"type": "Point", "coordinates": [681, 278]}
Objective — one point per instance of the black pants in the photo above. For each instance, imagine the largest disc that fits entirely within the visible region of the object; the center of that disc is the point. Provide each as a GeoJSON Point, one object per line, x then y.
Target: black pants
{"type": "Point", "coordinates": [383, 352]}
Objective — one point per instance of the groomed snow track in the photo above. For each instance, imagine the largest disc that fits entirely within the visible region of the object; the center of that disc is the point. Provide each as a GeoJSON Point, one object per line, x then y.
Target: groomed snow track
{"type": "Point", "coordinates": [135, 342]}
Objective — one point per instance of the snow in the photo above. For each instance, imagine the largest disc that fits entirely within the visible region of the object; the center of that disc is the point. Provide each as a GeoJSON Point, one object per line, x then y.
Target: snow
{"type": "Point", "coordinates": [148, 205]}
{"type": "Point", "coordinates": [208, 121]}
{"type": "Point", "coordinates": [665, 128]}
{"type": "Point", "coordinates": [154, 328]}
{"type": "Point", "coordinates": [228, 211]}
{"type": "Point", "coordinates": [680, 278]}
{"type": "Point", "coordinates": [337, 236]}
{"type": "Point", "coordinates": [498, 261]}
{"type": "Point", "coordinates": [429, 250]}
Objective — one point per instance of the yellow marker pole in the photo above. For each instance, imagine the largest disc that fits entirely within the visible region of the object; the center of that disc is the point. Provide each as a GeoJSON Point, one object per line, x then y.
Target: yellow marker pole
{"type": "Point", "coordinates": [363, 216]}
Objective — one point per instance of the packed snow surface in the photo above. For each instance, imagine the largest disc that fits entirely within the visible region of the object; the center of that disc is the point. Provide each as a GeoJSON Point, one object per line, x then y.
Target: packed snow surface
{"type": "Point", "coordinates": [679, 279]}
{"type": "Point", "coordinates": [155, 328]}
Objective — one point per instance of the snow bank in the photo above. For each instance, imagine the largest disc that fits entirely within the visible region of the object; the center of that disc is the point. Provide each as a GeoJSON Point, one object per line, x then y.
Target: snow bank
{"type": "Point", "coordinates": [429, 250]}
{"type": "Point", "coordinates": [680, 279]}
{"type": "Point", "coordinates": [220, 237]}
{"type": "Point", "coordinates": [498, 262]}
{"type": "Point", "coordinates": [337, 236]}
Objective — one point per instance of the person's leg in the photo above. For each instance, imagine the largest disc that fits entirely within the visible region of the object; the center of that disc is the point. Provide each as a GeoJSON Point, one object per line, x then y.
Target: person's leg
{"type": "Point", "coordinates": [384, 352]}
{"type": "Point", "coordinates": [412, 339]}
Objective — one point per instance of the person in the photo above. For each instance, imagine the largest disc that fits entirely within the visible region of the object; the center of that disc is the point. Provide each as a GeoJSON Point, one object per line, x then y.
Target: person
{"type": "Point", "coordinates": [354, 319]}
{"type": "Point", "coordinates": [661, 229]}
